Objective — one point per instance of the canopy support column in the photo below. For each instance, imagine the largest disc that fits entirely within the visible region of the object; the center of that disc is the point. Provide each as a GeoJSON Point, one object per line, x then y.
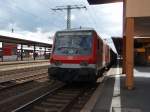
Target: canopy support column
{"type": "Point", "coordinates": [129, 44]}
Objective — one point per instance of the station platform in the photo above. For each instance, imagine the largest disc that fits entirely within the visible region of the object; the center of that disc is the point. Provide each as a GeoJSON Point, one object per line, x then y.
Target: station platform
{"type": "Point", "coordinates": [112, 96]}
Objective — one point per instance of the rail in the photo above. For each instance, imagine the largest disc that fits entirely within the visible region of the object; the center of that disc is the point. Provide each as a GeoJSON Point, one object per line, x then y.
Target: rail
{"type": "Point", "coordinates": [60, 99]}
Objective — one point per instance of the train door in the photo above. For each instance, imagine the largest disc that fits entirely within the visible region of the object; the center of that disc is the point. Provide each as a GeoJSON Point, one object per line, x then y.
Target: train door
{"type": "Point", "coordinates": [104, 54]}
{"type": "Point", "coordinates": [99, 52]}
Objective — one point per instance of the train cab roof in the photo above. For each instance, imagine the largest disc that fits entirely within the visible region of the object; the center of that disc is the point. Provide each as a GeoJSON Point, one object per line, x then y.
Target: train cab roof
{"type": "Point", "coordinates": [77, 29]}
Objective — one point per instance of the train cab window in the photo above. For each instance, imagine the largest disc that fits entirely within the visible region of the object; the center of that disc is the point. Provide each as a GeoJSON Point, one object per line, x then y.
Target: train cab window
{"type": "Point", "coordinates": [73, 43]}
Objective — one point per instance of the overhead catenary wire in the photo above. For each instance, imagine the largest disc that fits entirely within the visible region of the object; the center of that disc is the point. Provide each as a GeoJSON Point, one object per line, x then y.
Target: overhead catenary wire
{"type": "Point", "coordinates": [68, 8]}
{"type": "Point", "coordinates": [39, 17]}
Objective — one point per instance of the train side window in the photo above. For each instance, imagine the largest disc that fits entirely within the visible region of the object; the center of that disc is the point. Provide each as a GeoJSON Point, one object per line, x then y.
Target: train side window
{"type": "Point", "coordinates": [97, 44]}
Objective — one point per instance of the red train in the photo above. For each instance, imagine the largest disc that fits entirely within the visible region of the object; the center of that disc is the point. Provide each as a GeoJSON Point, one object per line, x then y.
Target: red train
{"type": "Point", "coordinates": [79, 55]}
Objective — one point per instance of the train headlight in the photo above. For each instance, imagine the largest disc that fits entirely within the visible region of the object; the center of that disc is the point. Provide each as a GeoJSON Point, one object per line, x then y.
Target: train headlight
{"type": "Point", "coordinates": [57, 63]}
{"type": "Point", "coordinates": [84, 63]}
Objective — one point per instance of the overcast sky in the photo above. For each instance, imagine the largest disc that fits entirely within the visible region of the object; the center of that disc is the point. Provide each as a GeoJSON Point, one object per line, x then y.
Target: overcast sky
{"type": "Point", "coordinates": [34, 19]}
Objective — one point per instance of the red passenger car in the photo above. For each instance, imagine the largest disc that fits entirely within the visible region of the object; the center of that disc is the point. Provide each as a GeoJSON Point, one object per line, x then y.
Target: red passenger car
{"type": "Point", "coordinates": [78, 55]}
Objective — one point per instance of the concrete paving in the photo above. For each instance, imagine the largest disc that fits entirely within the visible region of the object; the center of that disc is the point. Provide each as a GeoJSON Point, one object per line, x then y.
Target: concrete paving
{"type": "Point", "coordinates": [137, 100]}
{"type": "Point", "coordinates": [103, 103]}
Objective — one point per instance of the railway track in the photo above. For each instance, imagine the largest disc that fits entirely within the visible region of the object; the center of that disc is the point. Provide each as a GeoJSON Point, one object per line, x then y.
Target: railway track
{"type": "Point", "coordinates": [23, 80]}
{"type": "Point", "coordinates": [9, 84]}
{"type": "Point", "coordinates": [61, 98]}
{"type": "Point", "coordinates": [65, 98]}
{"type": "Point", "coordinates": [14, 97]}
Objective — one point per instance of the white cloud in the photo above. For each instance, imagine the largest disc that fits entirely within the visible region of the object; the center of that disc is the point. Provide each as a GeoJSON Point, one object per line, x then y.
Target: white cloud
{"type": "Point", "coordinates": [35, 36]}
{"type": "Point", "coordinates": [34, 19]}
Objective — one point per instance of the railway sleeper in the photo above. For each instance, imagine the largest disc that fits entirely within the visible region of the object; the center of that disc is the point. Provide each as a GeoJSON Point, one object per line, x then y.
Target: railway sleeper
{"type": "Point", "coordinates": [75, 110]}
{"type": "Point", "coordinates": [62, 97]}
{"type": "Point", "coordinates": [44, 109]}
{"type": "Point", "coordinates": [51, 104]}
{"type": "Point", "coordinates": [67, 94]}
{"type": "Point", "coordinates": [72, 90]}
{"type": "Point", "coordinates": [51, 100]}
{"type": "Point", "coordinates": [7, 83]}
{"type": "Point", "coordinates": [79, 104]}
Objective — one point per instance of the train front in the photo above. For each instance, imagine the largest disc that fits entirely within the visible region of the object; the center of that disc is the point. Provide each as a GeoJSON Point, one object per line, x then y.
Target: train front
{"type": "Point", "coordinates": [72, 57]}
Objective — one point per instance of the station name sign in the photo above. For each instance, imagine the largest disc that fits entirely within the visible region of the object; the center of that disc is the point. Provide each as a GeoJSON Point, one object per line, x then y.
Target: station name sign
{"type": "Point", "coordinates": [73, 33]}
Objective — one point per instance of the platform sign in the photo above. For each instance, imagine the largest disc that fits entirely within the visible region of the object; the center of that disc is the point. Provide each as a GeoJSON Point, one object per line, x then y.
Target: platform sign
{"type": "Point", "coordinates": [140, 50]}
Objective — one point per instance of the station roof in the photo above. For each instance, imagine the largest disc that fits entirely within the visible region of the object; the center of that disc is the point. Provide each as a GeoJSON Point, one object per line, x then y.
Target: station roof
{"type": "Point", "coordinates": [23, 41]}
{"type": "Point", "coordinates": [142, 42]}
{"type": "Point", "coordinates": [94, 2]}
{"type": "Point", "coordinates": [118, 42]}
{"type": "Point", "coordinates": [138, 43]}
{"type": "Point", "coordinates": [143, 39]}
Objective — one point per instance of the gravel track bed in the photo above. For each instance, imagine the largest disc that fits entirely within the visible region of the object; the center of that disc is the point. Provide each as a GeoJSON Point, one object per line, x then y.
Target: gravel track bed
{"type": "Point", "coordinates": [17, 90]}
{"type": "Point", "coordinates": [82, 101]}
{"type": "Point", "coordinates": [24, 76]}
{"type": "Point", "coordinates": [22, 97]}
{"type": "Point", "coordinates": [70, 98]}
{"type": "Point", "coordinates": [22, 70]}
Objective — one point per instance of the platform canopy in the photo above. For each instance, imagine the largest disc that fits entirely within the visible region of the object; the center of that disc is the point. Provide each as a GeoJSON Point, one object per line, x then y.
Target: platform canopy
{"type": "Point", "coordinates": [118, 42]}
{"type": "Point", "coordinates": [94, 2]}
{"type": "Point", "coordinates": [142, 26]}
{"type": "Point", "coordinates": [23, 41]}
